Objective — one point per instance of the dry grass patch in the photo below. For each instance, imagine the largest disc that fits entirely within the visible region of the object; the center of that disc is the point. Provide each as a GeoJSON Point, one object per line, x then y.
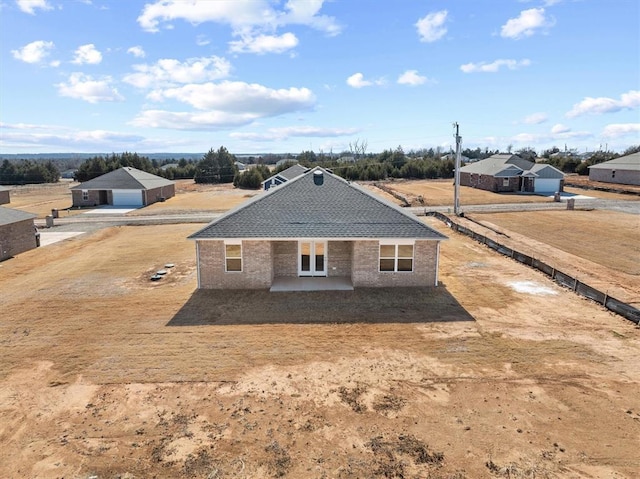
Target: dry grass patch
{"type": "Point", "coordinates": [609, 238]}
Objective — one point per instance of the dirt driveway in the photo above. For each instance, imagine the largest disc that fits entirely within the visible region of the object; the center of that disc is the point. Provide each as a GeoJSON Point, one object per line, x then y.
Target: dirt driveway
{"type": "Point", "coordinates": [496, 373]}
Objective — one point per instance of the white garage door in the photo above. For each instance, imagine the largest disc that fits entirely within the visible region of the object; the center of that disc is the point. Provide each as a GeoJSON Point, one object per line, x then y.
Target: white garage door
{"type": "Point", "coordinates": [547, 185]}
{"type": "Point", "coordinates": [127, 197]}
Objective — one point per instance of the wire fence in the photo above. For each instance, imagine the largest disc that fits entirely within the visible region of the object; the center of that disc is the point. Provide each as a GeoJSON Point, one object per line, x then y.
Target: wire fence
{"type": "Point", "coordinates": [619, 307]}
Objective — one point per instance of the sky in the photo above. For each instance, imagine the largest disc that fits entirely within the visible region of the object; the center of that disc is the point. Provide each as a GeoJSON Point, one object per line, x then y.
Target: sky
{"type": "Point", "coordinates": [268, 76]}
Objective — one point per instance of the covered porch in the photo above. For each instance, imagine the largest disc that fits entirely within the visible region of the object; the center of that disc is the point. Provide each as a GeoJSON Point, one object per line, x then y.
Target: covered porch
{"type": "Point", "coordinates": [301, 283]}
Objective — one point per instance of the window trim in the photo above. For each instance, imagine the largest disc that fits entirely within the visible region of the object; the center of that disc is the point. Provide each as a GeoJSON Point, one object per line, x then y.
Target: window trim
{"type": "Point", "coordinates": [227, 258]}
{"type": "Point", "coordinates": [505, 182]}
{"type": "Point", "coordinates": [397, 243]}
{"type": "Point", "coordinates": [85, 195]}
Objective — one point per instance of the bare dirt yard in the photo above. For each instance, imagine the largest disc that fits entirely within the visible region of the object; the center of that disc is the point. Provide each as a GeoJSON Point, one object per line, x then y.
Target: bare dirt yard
{"type": "Point", "coordinates": [497, 373]}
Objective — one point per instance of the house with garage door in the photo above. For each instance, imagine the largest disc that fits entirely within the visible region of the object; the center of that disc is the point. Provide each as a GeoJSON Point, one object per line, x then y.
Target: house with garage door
{"type": "Point", "coordinates": [505, 173]}
{"type": "Point", "coordinates": [4, 195]}
{"type": "Point", "coordinates": [17, 232]}
{"type": "Point", "coordinates": [126, 186]}
{"type": "Point", "coordinates": [624, 170]}
{"type": "Point", "coordinates": [317, 231]}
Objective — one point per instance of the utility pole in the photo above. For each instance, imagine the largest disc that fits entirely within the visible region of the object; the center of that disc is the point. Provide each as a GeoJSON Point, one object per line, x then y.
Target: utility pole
{"type": "Point", "coordinates": [456, 195]}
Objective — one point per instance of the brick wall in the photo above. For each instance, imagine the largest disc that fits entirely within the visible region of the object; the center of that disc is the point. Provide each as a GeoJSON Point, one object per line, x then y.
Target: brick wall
{"type": "Point", "coordinates": [76, 198]}
{"type": "Point", "coordinates": [285, 258]}
{"type": "Point", "coordinates": [16, 238]}
{"type": "Point", "coordinates": [488, 182]}
{"type": "Point", "coordinates": [4, 197]}
{"type": "Point", "coordinates": [340, 258]}
{"type": "Point", "coordinates": [257, 271]}
{"type": "Point", "coordinates": [153, 195]}
{"type": "Point", "coordinates": [366, 265]}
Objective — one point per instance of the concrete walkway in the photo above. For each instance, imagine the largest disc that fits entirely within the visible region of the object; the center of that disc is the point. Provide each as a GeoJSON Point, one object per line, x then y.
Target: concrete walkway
{"type": "Point", "coordinates": [336, 283]}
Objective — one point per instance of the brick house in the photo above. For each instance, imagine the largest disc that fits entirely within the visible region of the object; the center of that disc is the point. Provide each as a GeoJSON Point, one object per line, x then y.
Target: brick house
{"type": "Point", "coordinates": [624, 170]}
{"type": "Point", "coordinates": [123, 187]}
{"type": "Point", "coordinates": [317, 231]}
{"type": "Point", "coordinates": [511, 174]}
{"type": "Point", "coordinates": [4, 195]}
{"type": "Point", "coordinates": [17, 232]}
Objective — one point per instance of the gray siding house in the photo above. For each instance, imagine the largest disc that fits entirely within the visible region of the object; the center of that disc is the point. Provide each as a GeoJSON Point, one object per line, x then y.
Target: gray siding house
{"type": "Point", "coordinates": [624, 170]}
{"type": "Point", "coordinates": [17, 232]}
{"type": "Point", "coordinates": [505, 173]}
{"type": "Point", "coordinates": [123, 187]}
{"type": "Point", "coordinates": [317, 225]}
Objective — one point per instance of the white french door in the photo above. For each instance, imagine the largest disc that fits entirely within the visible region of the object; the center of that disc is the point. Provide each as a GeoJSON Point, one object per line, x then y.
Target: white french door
{"type": "Point", "coordinates": [312, 258]}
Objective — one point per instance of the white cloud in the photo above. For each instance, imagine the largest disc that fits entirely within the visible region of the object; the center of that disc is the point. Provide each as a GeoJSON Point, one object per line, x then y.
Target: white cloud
{"type": "Point", "coordinates": [33, 52]}
{"type": "Point", "coordinates": [357, 81]}
{"type": "Point", "coordinates": [137, 51]}
{"type": "Point", "coordinates": [560, 128]}
{"type": "Point", "coordinates": [294, 131]}
{"type": "Point", "coordinates": [242, 16]}
{"type": "Point", "coordinates": [167, 72]}
{"type": "Point", "coordinates": [628, 101]}
{"type": "Point", "coordinates": [206, 120]}
{"type": "Point", "coordinates": [494, 66]}
{"type": "Point", "coordinates": [84, 87]}
{"type": "Point", "coordinates": [411, 77]}
{"type": "Point", "coordinates": [431, 28]}
{"type": "Point", "coordinates": [223, 105]}
{"type": "Point", "coordinates": [261, 44]}
{"type": "Point", "coordinates": [617, 130]}
{"type": "Point", "coordinates": [527, 24]}
{"type": "Point", "coordinates": [239, 97]}
{"type": "Point", "coordinates": [29, 6]}
{"type": "Point", "coordinates": [87, 54]}
{"type": "Point", "coordinates": [557, 133]}
{"type": "Point", "coordinates": [202, 40]}
{"type": "Point", "coordinates": [535, 118]}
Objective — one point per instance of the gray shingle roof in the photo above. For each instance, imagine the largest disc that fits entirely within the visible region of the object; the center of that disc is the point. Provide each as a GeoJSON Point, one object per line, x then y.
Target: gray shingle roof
{"type": "Point", "coordinates": [125, 178]}
{"type": "Point", "coordinates": [9, 215]}
{"type": "Point", "coordinates": [628, 162]}
{"type": "Point", "coordinates": [289, 174]}
{"type": "Point", "coordinates": [511, 165]}
{"type": "Point", "coordinates": [300, 208]}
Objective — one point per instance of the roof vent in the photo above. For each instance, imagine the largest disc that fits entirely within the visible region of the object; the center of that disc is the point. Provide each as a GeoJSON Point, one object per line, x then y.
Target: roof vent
{"type": "Point", "coordinates": [318, 177]}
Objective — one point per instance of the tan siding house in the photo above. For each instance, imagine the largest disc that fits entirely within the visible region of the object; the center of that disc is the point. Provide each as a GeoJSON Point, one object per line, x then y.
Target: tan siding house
{"type": "Point", "coordinates": [624, 170]}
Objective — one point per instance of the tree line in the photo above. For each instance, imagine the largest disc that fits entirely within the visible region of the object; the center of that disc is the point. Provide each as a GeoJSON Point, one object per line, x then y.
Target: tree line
{"type": "Point", "coordinates": [27, 172]}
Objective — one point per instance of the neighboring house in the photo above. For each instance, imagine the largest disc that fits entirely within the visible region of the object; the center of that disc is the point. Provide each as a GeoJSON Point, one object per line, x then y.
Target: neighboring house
{"type": "Point", "coordinates": [317, 225]}
{"type": "Point", "coordinates": [17, 232]}
{"type": "Point", "coordinates": [346, 159]}
{"type": "Point", "coordinates": [240, 166]}
{"type": "Point", "coordinates": [624, 170]}
{"type": "Point", "coordinates": [68, 174]}
{"type": "Point", "coordinates": [4, 195]}
{"type": "Point", "coordinates": [169, 165]}
{"type": "Point", "coordinates": [504, 173]}
{"type": "Point", "coordinates": [284, 176]}
{"type": "Point", "coordinates": [123, 187]}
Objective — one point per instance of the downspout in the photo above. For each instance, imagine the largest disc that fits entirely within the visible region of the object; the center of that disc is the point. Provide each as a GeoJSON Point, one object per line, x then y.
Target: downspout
{"type": "Point", "coordinates": [437, 261]}
{"type": "Point", "coordinates": [198, 261]}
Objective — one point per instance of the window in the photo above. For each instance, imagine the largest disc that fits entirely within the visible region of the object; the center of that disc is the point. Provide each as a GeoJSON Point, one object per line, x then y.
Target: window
{"type": "Point", "coordinates": [233, 257]}
{"type": "Point", "coordinates": [613, 173]}
{"type": "Point", "coordinates": [505, 182]}
{"type": "Point", "coordinates": [85, 195]}
{"type": "Point", "coordinates": [396, 257]}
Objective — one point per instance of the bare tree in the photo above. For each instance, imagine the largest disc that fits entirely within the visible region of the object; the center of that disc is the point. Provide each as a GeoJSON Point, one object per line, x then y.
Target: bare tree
{"type": "Point", "coordinates": [358, 148]}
